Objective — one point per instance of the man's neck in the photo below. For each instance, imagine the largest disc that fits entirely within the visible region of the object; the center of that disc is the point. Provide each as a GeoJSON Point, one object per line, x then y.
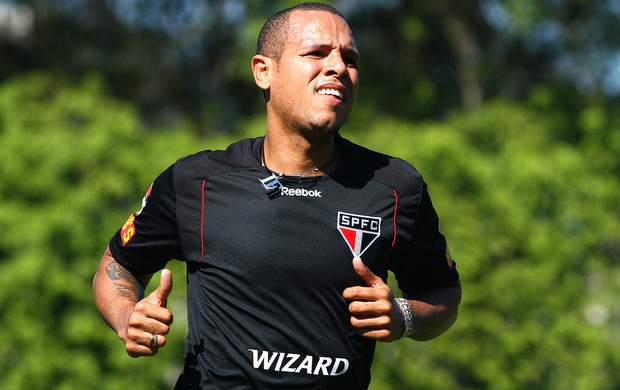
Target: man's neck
{"type": "Point", "coordinates": [296, 155]}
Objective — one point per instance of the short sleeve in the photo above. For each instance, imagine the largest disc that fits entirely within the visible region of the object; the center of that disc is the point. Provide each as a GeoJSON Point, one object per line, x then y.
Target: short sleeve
{"type": "Point", "coordinates": [424, 261]}
{"type": "Point", "coordinates": [150, 237]}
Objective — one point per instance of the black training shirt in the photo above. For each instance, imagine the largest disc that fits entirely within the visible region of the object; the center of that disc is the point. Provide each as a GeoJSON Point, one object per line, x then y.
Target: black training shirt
{"type": "Point", "coordinates": [266, 268]}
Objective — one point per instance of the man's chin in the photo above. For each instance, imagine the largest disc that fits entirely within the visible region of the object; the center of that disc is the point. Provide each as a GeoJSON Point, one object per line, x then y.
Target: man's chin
{"type": "Point", "coordinates": [328, 130]}
{"type": "Point", "coordinates": [328, 127]}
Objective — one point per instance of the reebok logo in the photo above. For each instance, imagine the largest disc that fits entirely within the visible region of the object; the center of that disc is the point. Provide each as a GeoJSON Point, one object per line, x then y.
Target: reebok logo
{"type": "Point", "coordinates": [275, 188]}
{"type": "Point", "coordinates": [300, 192]}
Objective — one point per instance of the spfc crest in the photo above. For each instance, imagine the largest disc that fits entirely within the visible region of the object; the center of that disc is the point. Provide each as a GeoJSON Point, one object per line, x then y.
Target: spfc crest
{"type": "Point", "coordinates": [359, 231]}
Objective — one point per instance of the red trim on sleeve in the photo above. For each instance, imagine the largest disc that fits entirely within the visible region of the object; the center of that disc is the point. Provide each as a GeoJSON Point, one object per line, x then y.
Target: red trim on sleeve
{"type": "Point", "coordinates": [394, 219]}
{"type": "Point", "coordinates": [202, 219]}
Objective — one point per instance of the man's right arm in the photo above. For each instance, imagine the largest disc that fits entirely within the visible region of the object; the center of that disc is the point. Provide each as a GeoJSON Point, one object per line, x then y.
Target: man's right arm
{"type": "Point", "coordinates": [119, 296]}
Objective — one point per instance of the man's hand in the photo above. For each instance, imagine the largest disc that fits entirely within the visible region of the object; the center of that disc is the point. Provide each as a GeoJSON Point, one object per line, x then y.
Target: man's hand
{"type": "Point", "coordinates": [150, 320]}
{"type": "Point", "coordinates": [374, 312]}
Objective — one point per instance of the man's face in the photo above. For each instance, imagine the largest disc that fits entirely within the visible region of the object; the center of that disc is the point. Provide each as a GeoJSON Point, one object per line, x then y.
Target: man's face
{"type": "Point", "coordinates": [314, 83]}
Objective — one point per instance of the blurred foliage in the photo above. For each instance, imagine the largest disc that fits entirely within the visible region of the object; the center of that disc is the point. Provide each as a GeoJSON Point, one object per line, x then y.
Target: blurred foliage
{"type": "Point", "coordinates": [95, 102]}
{"type": "Point", "coordinates": [534, 225]}
{"type": "Point", "coordinates": [532, 219]}
{"type": "Point", "coordinates": [72, 162]}
{"type": "Point", "coordinates": [189, 59]}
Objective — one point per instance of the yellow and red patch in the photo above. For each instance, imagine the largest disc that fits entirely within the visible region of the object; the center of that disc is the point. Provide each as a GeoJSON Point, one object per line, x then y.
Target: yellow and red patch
{"type": "Point", "coordinates": [449, 258]}
{"type": "Point", "coordinates": [128, 230]}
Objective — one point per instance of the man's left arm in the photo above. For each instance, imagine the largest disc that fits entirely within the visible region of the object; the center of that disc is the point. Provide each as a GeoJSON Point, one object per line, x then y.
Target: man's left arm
{"type": "Point", "coordinates": [376, 314]}
{"type": "Point", "coordinates": [433, 311]}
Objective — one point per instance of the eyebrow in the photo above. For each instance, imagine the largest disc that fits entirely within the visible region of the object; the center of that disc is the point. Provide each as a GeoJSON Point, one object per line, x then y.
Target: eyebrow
{"type": "Point", "coordinates": [349, 51]}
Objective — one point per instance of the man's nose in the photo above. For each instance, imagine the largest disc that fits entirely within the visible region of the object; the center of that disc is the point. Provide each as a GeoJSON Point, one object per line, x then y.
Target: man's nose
{"type": "Point", "coordinates": [335, 64]}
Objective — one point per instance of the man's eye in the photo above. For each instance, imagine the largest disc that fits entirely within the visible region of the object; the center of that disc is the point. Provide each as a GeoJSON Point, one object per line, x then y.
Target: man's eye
{"type": "Point", "coordinates": [352, 62]}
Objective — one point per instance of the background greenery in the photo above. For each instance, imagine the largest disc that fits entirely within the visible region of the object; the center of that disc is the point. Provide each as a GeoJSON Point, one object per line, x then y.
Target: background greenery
{"type": "Point", "coordinates": [509, 108]}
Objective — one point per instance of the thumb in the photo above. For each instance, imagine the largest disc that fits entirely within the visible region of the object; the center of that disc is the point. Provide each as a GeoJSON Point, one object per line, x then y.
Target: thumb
{"type": "Point", "coordinates": [367, 276]}
{"type": "Point", "coordinates": [160, 296]}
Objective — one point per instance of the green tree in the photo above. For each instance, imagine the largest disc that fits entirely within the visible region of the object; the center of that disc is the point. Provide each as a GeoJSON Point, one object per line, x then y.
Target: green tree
{"type": "Point", "coordinates": [533, 222]}
{"type": "Point", "coordinates": [420, 59]}
{"type": "Point", "coordinates": [531, 212]}
{"type": "Point", "coordinates": [72, 166]}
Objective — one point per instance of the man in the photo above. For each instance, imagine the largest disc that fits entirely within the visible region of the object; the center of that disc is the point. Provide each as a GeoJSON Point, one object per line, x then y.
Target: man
{"type": "Point", "coordinates": [287, 238]}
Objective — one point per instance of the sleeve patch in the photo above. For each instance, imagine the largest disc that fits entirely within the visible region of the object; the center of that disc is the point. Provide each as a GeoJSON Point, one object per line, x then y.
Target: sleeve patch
{"type": "Point", "coordinates": [128, 230]}
{"type": "Point", "coordinates": [449, 258]}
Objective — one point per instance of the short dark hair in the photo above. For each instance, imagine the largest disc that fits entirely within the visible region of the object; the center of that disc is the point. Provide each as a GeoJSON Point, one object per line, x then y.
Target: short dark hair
{"type": "Point", "coordinates": [275, 31]}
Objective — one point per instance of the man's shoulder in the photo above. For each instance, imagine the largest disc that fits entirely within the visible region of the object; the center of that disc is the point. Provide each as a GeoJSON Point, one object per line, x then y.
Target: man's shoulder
{"type": "Point", "coordinates": [237, 156]}
{"type": "Point", "coordinates": [385, 168]}
{"type": "Point", "coordinates": [396, 174]}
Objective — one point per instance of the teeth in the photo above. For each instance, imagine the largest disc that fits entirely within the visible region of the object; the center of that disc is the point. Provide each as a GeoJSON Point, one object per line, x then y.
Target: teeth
{"type": "Point", "coordinates": [330, 91]}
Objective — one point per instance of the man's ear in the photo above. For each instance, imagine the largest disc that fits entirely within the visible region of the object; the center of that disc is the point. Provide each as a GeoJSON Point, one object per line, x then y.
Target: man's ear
{"type": "Point", "coordinates": [261, 68]}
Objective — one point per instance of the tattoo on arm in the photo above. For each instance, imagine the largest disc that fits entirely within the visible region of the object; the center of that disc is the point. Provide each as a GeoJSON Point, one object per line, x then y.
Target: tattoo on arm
{"type": "Point", "coordinates": [126, 284]}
